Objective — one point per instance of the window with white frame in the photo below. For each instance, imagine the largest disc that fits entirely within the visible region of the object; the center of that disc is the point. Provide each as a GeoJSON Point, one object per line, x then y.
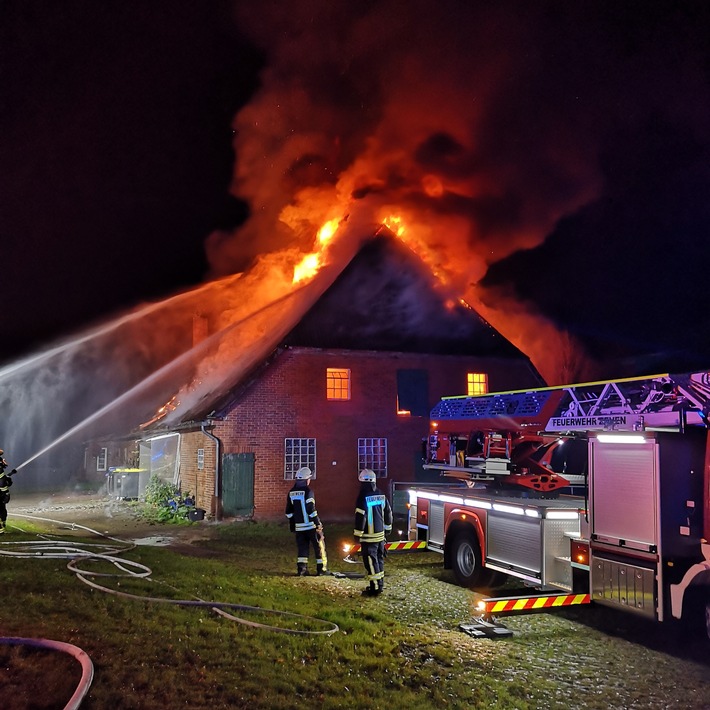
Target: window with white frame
{"type": "Point", "coordinates": [476, 383]}
{"type": "Point", "coordinates": [200, 459]}
{"type": "Point", "coordinates": [337, 384]}
{"type": "Point", "coordinates": [298, 453]}
{"type": "Point", "coordinates": [102, 459]}
{"type": "Point", "coordinates": [372, 454]}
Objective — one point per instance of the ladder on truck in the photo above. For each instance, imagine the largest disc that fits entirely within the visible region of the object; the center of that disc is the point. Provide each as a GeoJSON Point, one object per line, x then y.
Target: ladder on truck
{"type": "Point", "coordinates": [505, 420]}
{"type": "Point", "coordinates": [637, 396]}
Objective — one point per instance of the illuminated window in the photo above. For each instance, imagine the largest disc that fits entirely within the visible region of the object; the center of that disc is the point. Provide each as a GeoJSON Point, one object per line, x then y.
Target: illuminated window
{"type": "Point", "coordinates": [476, 383]}
{"type": "Point", "coordinates": [372, 454]}
{"type": "Point", "coordinates": [297, 453]}
{"type": "Point", "coordinates": [337, 383]}
{"type": "Point", "coordinates": [101, 459]}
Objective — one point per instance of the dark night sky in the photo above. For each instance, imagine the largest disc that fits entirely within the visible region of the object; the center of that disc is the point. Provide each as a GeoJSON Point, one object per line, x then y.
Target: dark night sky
{"type": "Point", "coordinates": [116, 159]}
{"type": "Point", "coordinates": [116, 155]}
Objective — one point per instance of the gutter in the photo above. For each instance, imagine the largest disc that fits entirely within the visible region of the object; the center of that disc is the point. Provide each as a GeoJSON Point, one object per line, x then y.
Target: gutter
{"type": "Point", "coordinates": [217, 468]}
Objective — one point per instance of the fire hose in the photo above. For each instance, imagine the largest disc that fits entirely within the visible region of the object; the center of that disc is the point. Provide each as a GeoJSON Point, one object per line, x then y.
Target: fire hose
{"type": "Point", "coordinates": [87, 667]}
{"type": "Point", "coordinates": [83, 552]}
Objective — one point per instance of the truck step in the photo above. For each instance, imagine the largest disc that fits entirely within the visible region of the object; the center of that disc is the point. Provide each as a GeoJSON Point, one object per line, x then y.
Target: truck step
{"type": "Point", "coordinates": [480, 628]}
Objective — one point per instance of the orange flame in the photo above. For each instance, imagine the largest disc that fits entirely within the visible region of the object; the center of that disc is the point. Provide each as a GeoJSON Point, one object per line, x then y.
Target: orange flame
{"type": "Point", "coordinates": [311, 264]}
{"type": "Point", "coordinates": [328, 230]}
{"type": "Point", "coordinates": [395, 224]}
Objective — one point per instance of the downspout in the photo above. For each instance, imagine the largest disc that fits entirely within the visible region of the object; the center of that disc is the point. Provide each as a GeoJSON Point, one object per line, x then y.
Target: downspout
{"type": "Point", "coordinates": [217, 469]}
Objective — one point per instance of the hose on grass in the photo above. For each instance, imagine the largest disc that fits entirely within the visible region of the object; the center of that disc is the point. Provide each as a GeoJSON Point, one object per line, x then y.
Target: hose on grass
{"type": "Point", "coordinates": [45, 548]}
{"type": "Point", "coordinates": [87, 667]}
{"type": "Point", "coordinates": [74, 553]}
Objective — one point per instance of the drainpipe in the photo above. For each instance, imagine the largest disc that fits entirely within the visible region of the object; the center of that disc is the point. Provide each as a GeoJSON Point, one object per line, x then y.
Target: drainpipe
{"type": "Point", "coordinates": [217, 469]}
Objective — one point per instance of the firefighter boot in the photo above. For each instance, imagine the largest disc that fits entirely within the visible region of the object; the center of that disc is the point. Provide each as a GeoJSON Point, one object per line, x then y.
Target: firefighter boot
{"type": "Point", "coordinates": [370, 591]}
{"type": "Point", "coordinates": [2, 526]}
{"type": "Point", "coordinates": [302, 570]}
{"type": "Point", "coordinates": [320, 570]}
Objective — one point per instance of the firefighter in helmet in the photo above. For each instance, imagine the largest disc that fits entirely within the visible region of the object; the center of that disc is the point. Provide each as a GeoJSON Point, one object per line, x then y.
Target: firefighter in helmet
{"type": "Point", "coordinates": [373, 520]}
{"type": "Point", "coordinates": [304, 521]}
{"type": "Point", "coordinates": [5, 483]}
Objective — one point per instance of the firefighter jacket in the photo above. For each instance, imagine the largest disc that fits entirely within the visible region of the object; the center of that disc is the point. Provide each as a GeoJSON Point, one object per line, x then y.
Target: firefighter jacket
{"type": "Point", "coordinates": [373, 515]}
{"type": "Point", "coordinates": [5, 483]}
{"type": "Point", "coordinates": [301, 508]}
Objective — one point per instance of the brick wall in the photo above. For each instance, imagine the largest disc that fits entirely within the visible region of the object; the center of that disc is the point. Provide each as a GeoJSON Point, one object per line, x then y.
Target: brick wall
{"type": "Point", "coordinates": [289, 401]}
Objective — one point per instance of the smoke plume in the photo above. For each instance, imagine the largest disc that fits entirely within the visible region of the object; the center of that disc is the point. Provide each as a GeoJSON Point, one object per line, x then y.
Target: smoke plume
{"type": "Point", "coordinates": [440, 113]}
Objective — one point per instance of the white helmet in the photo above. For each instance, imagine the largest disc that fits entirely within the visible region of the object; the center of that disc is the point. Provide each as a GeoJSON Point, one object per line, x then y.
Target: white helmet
{"type": "Point", "coordinates": [367, 474]}
{"type": "Point", "coordinates": [303, 473]}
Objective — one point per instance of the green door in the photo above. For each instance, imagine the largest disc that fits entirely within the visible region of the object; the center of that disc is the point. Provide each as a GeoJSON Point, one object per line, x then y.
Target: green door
{"type": "Point", "coordinates": [237, 485]}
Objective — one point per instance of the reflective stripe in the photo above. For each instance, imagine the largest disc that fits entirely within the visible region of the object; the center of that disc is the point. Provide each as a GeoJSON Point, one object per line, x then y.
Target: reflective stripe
{"type": "Point", "coordinates": [500, 606]}
{"type": "Point", "coordinates": [302, 527]}
{"type": "Point", "coordinates": [394, 546]}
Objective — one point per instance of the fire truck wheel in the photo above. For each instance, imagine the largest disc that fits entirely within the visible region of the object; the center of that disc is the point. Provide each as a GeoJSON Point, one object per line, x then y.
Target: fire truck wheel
{"type": "Point", "coordinates": [466, 559]}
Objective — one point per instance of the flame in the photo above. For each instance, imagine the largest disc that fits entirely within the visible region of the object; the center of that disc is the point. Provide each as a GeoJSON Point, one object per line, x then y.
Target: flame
{"type": "Point", "coordinates": [307, 268]}
{"type": "Point", "coordinates": [395, 224]}
{"type": "Point", "coordinates": [328, 230]}
{"type": "Point", "coordinates": [311, 263]}
{"type": "Point", "coordinates": [167, 408]}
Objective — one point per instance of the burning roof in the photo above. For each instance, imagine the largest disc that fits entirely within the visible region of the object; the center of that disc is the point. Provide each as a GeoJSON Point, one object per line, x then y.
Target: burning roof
{"type": "Point", "coordinates": [383, 298]}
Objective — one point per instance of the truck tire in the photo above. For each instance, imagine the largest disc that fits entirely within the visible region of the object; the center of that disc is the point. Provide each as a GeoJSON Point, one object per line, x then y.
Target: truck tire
{"type": "Point", "coordinates": [466, 559]}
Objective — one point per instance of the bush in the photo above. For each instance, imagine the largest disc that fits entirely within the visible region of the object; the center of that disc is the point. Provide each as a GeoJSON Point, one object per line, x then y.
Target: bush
{"type": "Point", "coordinates": [166, 501]}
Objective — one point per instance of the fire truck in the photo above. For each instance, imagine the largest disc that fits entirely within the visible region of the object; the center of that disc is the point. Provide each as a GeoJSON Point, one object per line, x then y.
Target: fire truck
{"type": "Point", "coordinates": [591, 492]}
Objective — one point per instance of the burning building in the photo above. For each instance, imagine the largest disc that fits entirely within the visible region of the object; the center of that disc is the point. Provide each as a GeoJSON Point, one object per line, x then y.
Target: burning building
{"type": "Point", "coordinates": [348, 385]}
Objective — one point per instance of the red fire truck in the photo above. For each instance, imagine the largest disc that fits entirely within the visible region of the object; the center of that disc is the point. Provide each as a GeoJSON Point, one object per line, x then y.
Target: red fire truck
{"type": "Point", "coordinates": [598, 491]}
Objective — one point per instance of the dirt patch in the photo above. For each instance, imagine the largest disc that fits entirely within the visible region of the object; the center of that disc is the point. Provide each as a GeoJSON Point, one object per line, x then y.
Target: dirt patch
{"type": "Point", "coordinates": [106, 516]}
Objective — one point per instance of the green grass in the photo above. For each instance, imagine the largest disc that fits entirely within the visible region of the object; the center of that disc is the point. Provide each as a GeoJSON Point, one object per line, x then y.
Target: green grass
{"type": "Point", "coordinates": [402, 649]}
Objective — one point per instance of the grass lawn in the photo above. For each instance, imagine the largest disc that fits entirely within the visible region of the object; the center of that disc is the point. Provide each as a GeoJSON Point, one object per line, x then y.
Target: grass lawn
{"type": "Point", "coordinates": [400, 650]}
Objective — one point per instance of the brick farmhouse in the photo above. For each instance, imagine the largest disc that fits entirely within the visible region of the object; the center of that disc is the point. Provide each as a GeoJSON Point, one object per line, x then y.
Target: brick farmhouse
{"type": "Point", "coordinates": [350, 386]}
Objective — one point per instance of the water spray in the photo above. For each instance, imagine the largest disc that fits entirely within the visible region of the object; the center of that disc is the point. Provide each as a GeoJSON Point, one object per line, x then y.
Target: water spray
{"type": "Point", "coordinates": [154, 377]}
{"type": "Point", "coordinates": [40, 358]}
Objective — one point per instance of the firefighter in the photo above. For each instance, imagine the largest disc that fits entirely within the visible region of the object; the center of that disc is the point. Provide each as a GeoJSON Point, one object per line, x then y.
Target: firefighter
{"type": "Point", "coordinates": [373, 520]}
{"type": "Point", "coordinates": [5, 483]}
{"type": "Point", "coordinates": [304, 521]}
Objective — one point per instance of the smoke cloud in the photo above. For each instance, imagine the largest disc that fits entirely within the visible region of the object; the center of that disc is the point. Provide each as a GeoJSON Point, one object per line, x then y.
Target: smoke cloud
{"type": "Point", "coordinates": [483, 125]}
{"type": "Point", "coordinates": [442, 113]}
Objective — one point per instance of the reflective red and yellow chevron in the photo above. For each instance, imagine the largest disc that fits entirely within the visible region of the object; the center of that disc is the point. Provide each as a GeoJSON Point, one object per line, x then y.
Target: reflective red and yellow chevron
{"type": "Point", "coordinates": [510, 604]}
{"type": "Point", "coordinates": [400, 546]}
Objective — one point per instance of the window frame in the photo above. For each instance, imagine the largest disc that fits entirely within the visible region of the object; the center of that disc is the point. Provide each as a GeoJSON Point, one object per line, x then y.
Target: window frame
{"type": "Point", "coordinates": [102, 455]}
{"type": "Point", "coordinates": [372, 453]}
{"type": "Point", "coordinates": [298, 455]}
{"type": "Point", "coordinates": [476, 384]}
{"type": "Point", "coordinates": [337, 386]}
